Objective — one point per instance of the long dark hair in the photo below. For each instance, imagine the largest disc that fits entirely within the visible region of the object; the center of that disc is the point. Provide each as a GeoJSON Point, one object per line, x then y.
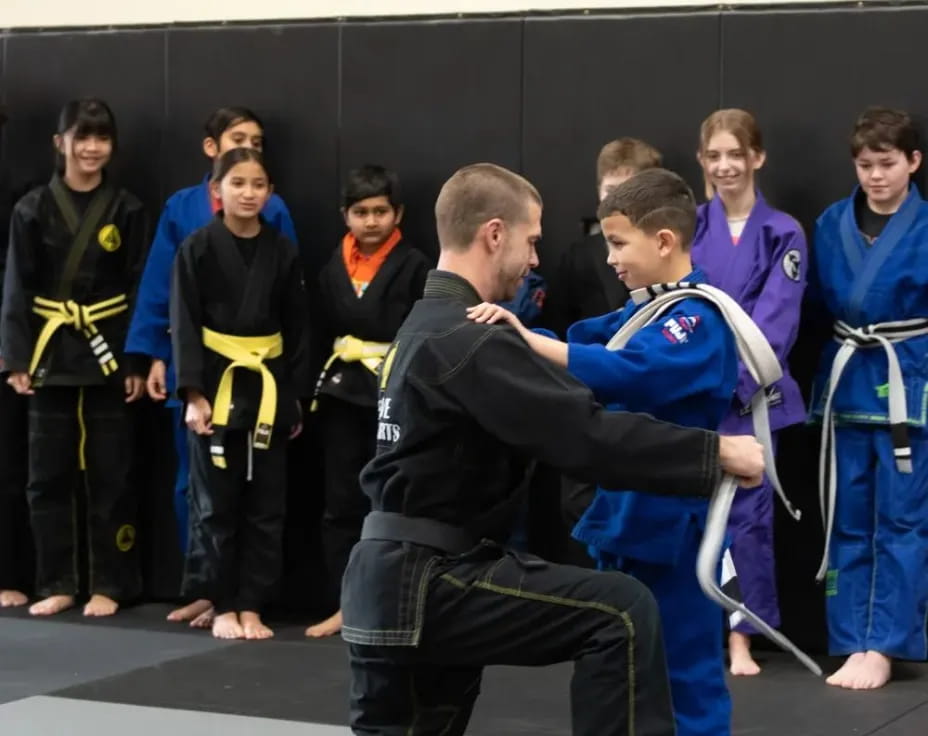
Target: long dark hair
{"type": "Point", "coordinates": [234, 156]}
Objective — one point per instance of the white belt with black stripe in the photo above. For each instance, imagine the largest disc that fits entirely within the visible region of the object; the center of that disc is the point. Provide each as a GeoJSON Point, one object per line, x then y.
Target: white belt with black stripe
{"type": "Point", "coordinates": [764, 366]}
{"type": "Point", "coordinates": [880, 335]}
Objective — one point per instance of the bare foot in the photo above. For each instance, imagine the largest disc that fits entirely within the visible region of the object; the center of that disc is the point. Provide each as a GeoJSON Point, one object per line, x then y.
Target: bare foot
{"type": "Point", "coordinates": [190, 611]}
{"type": "Point", "coordinates": [227, 626]}
{"type": "Point", "coordinates": [12, 598]}
{"type": "Point", "coordinates": [52, 605]}
{"type": "Point", "coordinates": [869, 671]}
{"type": "Point", "coordinates": [739, 649]}
{"type": "Point", "coordinates": [254, 627]}
{"type": "Point", "coordinates": [100, 605]}
{"type": "Point", "coordinates": [204, 620]}
{"type": "Point", "coordinates": [331, 626]}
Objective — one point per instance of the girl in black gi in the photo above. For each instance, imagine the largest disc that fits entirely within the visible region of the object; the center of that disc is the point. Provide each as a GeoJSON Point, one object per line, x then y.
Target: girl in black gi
{"type": "Point", "coordinates": [239, 336]}
{"type": "Point", "coordinates": [77, 246]}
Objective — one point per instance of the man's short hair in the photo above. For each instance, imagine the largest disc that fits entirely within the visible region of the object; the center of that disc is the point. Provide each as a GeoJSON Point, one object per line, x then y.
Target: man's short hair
{"type": "Point", "coordinates": [476, 194]}
{"type": "Point", "coordinates": [653, 200]}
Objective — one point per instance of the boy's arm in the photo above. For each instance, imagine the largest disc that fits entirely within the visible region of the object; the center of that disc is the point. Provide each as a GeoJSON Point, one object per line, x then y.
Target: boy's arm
{"type": "Point", "coordinates": [777, 310]}
{"type": "Point", "coordinates": [148, 330]}
{"type": "Point", "coordinates": [677, 356]}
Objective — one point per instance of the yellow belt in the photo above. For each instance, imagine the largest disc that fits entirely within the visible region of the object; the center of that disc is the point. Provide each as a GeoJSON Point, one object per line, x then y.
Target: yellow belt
{"type": "Point", "coordinates": [80, 317]}
{"type": "Point", "coordinates": [350, 349]}
{"type": "Point", "coordinates": [249, 353]}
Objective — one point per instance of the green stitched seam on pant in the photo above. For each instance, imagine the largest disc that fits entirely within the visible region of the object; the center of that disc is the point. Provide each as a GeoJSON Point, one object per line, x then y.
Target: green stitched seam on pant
{"type": "Point", "coordinates": [591, 605]}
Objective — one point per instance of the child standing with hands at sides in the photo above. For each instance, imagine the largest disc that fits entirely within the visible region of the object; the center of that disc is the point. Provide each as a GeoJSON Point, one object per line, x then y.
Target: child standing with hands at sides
{"type": "Point", "coordinates": [870, 279]}
{"type": "Point", "coordinates": [186, 211]}
{"type": "Point", "coordinates": [757, 255]}
{"type": "Point", "coordinates": [680, 368]}
{"type": "Point", "coordinates": [365, 292]}
{"type": "Point", "coordinates": [240, 344]}
{"type": "Point", "coordinates": [77, 245]}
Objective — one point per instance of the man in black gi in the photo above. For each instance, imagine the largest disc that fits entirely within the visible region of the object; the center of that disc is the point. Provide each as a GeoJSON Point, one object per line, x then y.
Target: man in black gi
{"type": "Point", "coordinates": [430, 596]}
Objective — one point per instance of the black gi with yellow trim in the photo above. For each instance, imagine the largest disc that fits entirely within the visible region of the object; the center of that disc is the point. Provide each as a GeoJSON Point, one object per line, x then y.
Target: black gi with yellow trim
{"type": "Point", "coordinates": [74, 263]}
{"type": "Point", "coordinates": [430, 595]}
{"type": "Point", "coordinates": [239, 329]}
{"type": "Point", "coordinates": [355, 332]}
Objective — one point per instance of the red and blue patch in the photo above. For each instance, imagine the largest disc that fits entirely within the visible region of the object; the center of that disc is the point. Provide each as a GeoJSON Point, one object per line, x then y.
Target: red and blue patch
{"type": "Point", "coordinates": [678, 329]}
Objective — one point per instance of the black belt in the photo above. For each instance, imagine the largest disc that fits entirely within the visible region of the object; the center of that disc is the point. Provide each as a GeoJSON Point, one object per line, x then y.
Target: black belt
{"type": "Point", "coordinates": [392, 527]}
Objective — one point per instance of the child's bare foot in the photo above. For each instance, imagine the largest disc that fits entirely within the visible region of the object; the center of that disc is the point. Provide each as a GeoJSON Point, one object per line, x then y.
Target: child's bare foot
{"type": "Point", "coordinates": [100, 605]}
{"type": "Point", "coordinates": [226, 626]}
{"type": "Point", "coordinates": [204, 620]}
{"type": "Point", "coordinates": [739, 649]}
{"type": "Point", "coordinates": [52, 605]}
{"type": "Point", "coordinates": [254, 627]}
{"type": "Point", "coordinates": [190, 611]}
{"type": "Point", "coordinates": [331, 626]}
{"type": "Point", "coordinates": [846, 675]}
{"type": "Point", "coordinates": [863, 671]}
{"type": "Point", "coordinates": [12, 598]}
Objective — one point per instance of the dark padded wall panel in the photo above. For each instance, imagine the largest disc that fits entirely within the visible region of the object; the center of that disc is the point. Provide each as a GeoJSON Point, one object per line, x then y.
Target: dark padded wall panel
{"type": "Point", "coordinates": [427, 98]}
{"type": "Point", "coordinates": [43, 71]}
{"type": "Point", "coordinates": [806, 76]}
{"type": "Point", "coordinates": [590, 80]}
{"type": "Point", "coordinates": [289, 76]}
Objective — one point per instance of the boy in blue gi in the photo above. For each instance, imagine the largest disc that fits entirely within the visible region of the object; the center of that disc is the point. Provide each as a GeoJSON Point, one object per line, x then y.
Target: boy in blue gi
{"type": "Point", "coordinates": [870, 278]}
{"type": "Point", "coordinates": [682, 368]}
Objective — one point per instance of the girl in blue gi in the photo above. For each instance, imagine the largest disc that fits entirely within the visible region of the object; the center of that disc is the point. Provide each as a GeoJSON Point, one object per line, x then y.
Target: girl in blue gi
{"type": "Point", "coordinates": [681, 368]}
{"type": "Point", "coordinates": [757, 255]}
{"type": "Point", "coordinates": [869, 270]}
{"type": "Point", "coordinates": [186, 211]}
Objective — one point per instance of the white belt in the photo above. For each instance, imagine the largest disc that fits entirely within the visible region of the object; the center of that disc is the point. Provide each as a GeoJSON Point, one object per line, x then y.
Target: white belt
{"type": "Point", "coordinates": [764, 367]}
{"type": "Point", "coordinates": [852, 339]}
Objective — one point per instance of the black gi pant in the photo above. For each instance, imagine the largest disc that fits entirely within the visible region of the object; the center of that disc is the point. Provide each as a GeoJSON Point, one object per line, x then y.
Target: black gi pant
{"type": "Point", "coordinates": [350, 439]}
{"type": "Point", "coordinates": [68, 426]}
{"type": "Point", "coordinates": [15, 538]}
{"type": "Point", "coordinates": [493, 609]}
{"type": "Point", "coordinates": [236, 525]}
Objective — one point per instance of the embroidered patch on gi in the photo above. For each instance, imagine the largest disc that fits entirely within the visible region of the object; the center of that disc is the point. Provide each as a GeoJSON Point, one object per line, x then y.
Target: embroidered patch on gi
{"type": "Point", "coordinates": [109, 238]}
{"type": "Point", "coordinates": [831, 583]}
{"type": "Point", "coordinates": [125, 538]}
{"type": "Point", "coordinates": [882, 392]}
{"type": "Point", "coordinates": [792, 261]}
{"type": "Point", "coordinates": [678, 329]}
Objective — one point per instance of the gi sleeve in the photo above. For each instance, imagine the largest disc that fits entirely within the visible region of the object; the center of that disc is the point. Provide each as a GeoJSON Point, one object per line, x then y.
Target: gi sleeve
{"type": "Point", "coordinates": [777, 310]}
{"type": "Point", "coordinates": [186, 321]}
{"type": "Point", "coordinates": [533, 406]}
{"type": "Point", "coordinates": [20, 281]}
{"type": "Point", "coordinates": [282, 222]}
{"type": "Point", "coordinates": [148, 330]}
{"type": "Point", "coordinates": [296, 326]}
{"type": "Point", "coordinates": [137, 238]}
{"type": "Point", "coordinates": [678, 356]}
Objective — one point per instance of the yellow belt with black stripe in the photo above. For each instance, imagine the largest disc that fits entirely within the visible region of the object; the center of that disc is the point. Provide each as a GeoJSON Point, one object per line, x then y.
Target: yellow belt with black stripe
{"type": "Point", "coordinates": [79, 317]}
{"type": "Point", "coordinates": [350, 349]}
{"type": "Point", "coordinates": [248, 353]}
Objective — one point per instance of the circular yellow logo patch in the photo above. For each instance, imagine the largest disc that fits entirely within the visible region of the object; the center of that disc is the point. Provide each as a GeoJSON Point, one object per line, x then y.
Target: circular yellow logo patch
{"type": "Point", "coordinates": [109, 238]}
{"type": "Point", "coordinates": [125, 538]}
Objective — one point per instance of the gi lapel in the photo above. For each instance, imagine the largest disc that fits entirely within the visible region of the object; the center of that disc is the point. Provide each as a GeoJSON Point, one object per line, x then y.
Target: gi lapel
{"type": "Point", "coordinates": [865, 261]}
{"type": "Point", "coordinates": [82, 229]}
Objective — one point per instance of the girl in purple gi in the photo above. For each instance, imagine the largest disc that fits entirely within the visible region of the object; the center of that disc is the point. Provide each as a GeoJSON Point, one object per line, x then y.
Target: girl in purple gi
{"type": "Point", "coordinates": [758, 256]}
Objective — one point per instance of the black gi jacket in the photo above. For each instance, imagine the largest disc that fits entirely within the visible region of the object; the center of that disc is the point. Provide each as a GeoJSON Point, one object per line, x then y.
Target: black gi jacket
{"type": "Point", "coordinates": [465, 408]}
{"type": "Point", "coordinates": [375, 317]}
{"type": "Point", "coordinates": [217, 285]}
{"type": "Point", "coordinates": [40, 243]}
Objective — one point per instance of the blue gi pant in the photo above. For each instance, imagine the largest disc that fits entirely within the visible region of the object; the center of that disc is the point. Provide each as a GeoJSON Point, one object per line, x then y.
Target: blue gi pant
{"type": "Point", "coordinates": [877, 584]}
{"type": "Point", "coordinates": [182, 479]}
{"type": "Point", "coordinates": [693, 634]}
